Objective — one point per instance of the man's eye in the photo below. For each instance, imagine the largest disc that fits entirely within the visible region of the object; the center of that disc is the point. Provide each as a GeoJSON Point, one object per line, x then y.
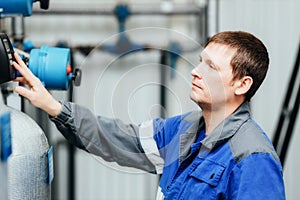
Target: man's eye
{"type": "Point", "coordinates": [212, 66]}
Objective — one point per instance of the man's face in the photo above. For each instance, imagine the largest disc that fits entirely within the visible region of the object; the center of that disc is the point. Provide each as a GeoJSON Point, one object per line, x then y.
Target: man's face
{"type": "Point", "coordinates": [212, 84]}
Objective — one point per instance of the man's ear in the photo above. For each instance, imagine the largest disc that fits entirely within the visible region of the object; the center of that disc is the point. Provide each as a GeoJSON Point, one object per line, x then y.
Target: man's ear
{"type": "Point", "coordinates": [244, 85]}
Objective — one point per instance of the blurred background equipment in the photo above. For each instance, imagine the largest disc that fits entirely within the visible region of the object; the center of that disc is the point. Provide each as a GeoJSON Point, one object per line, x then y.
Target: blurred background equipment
{"type": "Point", "coordinates": [135, 59]}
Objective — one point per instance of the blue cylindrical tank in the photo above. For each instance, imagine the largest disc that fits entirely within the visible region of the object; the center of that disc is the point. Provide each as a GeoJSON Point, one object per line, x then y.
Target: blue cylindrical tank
{"type": "Point", "coordinates": [52, 66]}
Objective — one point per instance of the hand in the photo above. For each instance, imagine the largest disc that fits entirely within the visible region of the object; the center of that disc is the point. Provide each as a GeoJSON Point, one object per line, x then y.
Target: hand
{"type": "Point", "coordinates": [36, 93]}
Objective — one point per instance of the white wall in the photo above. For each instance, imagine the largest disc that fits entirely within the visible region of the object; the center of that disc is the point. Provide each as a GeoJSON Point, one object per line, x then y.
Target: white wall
{"type": "Point", "coordinates": [110, 85]}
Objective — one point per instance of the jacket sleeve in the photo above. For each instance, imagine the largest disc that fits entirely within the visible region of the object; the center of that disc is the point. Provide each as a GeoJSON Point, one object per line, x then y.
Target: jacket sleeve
{"type": "Point", "coordinates": [108, 138]}
{"type": "Point", "coordinates": [258, 176]}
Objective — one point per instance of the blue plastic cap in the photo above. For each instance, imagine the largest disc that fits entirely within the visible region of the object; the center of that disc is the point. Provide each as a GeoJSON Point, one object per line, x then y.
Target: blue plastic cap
{"type": "Point", "coordinates": [50, 64]}
{"type": "Point", "coordinates": [16, 7]}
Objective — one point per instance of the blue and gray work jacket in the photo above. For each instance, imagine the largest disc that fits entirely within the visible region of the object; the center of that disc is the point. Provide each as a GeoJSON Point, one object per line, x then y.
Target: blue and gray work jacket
{"type": "Point", "coordinates": [235, 161]}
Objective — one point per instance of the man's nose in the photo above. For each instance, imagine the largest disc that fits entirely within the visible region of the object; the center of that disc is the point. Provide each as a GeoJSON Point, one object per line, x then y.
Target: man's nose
{"type": "Point", "coordinates": [196, 72]}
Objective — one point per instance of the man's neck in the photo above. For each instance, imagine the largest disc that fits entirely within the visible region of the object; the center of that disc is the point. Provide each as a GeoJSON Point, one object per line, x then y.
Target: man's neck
{"type": "Point", "coordinates": [214, 116]}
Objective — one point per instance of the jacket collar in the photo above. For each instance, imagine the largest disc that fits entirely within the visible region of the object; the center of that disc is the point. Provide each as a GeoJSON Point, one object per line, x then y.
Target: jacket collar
{"type": "Point", "coordinates": [225, 130]}
{"type": "Point", "coordinates": [190, 135]}
{"type": "Point", "coordinates": [228, 127]}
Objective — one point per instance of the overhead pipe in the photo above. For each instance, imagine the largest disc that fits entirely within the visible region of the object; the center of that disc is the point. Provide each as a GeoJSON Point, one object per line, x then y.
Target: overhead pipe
{"type": "Point", "coordinates": [124, 45]}
{"type": "Point", "coordinates": [135, 10]}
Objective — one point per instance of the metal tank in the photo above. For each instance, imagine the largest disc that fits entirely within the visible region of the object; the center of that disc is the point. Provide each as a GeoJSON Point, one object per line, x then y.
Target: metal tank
{"type": "Point", "coordinates": [30, 166]}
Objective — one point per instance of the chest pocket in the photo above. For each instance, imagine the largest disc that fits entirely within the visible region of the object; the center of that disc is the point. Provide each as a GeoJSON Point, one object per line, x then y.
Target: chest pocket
{"type": "Point", "coordinates": [208, 172]}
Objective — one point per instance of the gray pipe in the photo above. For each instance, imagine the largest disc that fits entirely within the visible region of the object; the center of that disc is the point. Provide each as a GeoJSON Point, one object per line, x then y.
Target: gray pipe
{"type": "Point", "coordinates": [176, 10]}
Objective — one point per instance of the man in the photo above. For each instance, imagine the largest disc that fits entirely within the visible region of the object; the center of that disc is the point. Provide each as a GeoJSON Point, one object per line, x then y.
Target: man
{"type": "Point", "coordinates": [219, 152]}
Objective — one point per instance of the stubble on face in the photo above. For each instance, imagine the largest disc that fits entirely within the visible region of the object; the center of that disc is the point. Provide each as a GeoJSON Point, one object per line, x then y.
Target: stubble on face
{"type": "Point", "coordinates": [211, 84]}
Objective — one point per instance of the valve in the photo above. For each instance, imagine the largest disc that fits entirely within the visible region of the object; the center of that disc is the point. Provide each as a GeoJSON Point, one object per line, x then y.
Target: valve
{"type": "Point", "coordinates": [50, 64]}
{"type": "Point", "coordinates": [122, 12]}
{"type": "Point", "coordinates": [76, 77]}
{"type": "Point", "coordinates": [123, 45]}
{"type": "Point", "coordinates": [44, 4]}
{"type": "Point", "coordinates": [20, 7]}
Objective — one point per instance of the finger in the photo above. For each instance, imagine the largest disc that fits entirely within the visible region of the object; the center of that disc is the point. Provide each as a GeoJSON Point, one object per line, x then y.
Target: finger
{"type": "Point", "coordinates": [21, 80]}
{"type": "Point", "coordinates": [22, 68]}
{"type": "Point", "coordinates": [23, 91]}
{"type": "Point", "coordinates": [19, 60]}
{"type": "Point", "coordinates": [28, 78]}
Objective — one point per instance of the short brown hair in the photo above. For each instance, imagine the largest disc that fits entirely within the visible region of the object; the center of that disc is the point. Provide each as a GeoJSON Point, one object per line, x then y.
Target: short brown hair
{"type": "Point", "coordinates": [250, 59]}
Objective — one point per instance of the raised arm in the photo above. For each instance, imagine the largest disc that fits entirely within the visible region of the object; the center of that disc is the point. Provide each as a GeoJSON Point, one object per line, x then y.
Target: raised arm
{"type": "Point", "coordinates": [36, 93]}
{"type": "Point", "coordinates": [109, 138]}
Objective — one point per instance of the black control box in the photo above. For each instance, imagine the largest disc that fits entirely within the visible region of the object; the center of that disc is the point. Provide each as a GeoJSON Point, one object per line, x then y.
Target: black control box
{"type": "Point", "coordinates": [7, 71]}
